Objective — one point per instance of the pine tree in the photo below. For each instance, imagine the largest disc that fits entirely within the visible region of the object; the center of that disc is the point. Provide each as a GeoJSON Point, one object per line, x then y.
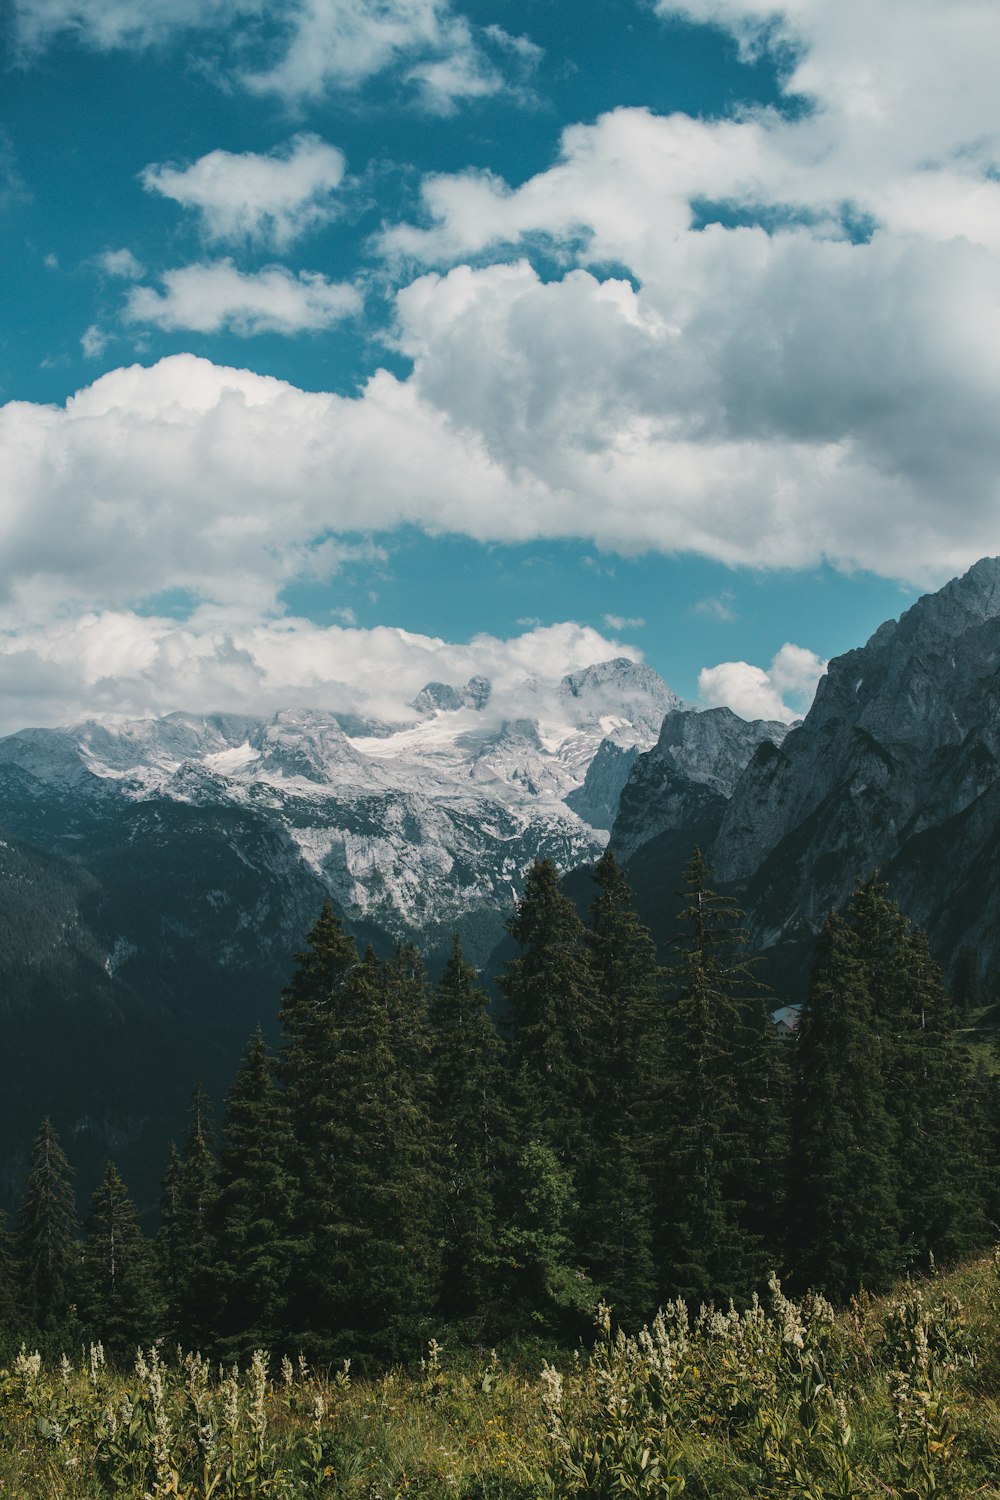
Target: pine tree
{"type": "Point", "coordinates": [551, 999]}
{"type": "Point", "coordinates": [254, 1209]}
{"type": "Point", "coordinates": [310, 1003]}
{"type": "Point", "coordinates": [844, 1223]}
{"type": "Point", "coordinates": [765, 1100]}
{"type": "Point", "coordinates": [314, 1010]}
{"type": "Point", "coordinates": [386, 1168]}
{"type": "Point", "coordinates": [545, 1289]}
{"type": "Point", "coordinates": [187, 1235]}
{"type": "Point", "coordinates": [167, 1245]}
{"type": "Point", "coordinates": [713, 1140]}
{"type": "Point", "coordinates": [928, 1081]}
{"type": "Point", "coordinates": [119, 1303]}
{"type": "Point", "coordinates": [617, 1230]}
{"type": "Point", "coordinates": [470, 1134]}
{"type": "Point", "coordinates": [47, 1248]}
{"type": "Point", "coordinates": [358, 1078]}
{"type": "Point", "coordinates": [941, 1126]}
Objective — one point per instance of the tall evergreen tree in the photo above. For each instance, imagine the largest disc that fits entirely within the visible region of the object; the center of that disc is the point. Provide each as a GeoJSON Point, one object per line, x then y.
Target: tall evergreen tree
{"type": "Point", "coordinates": [367, 1279]}
{"type": "Point", "coordinates": [844, 1225]}
{"type": "Point", "coordinates": [617, 1230]}
{"type": "Point", "coordinates": [549, 989]}
{"type": "Point", "coordinates": [545, 1288]}
{"type": "Point", "coordinates": [167, 1245]}
{"type": "Point", "coordinates": [254, 1209]}
{"type": "Point", "coordinates": [714, 1138]}
{"type": "Point", "coordinates": [928, 1082]}
{"type": "Point", "coordinates": [119, 1302]}
{"type": "Point", "coordinates": [310, 1004]}
{"type": "Point", "coordinates": [314, 1009]}
{"type": "Point", "coordinates": [187, 1234]}
{"type": "Point", "coordinates": [942, 1181]}
{"type": "Point", "coordinates": [765, 1084]}
{"type": "Point", "coordinates": [47, 1247]}
{"type": "Point", "coordinates": [387, 1174]}
{"type": "Point", "coordinates": [470, 1133]}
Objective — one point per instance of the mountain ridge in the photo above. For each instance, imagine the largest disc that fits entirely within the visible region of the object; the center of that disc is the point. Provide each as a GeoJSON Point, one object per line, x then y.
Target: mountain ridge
{"type": "Point", "coordinates": [895, 767]}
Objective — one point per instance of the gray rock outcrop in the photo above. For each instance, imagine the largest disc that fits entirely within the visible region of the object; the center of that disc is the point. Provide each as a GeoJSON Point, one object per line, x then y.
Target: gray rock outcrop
{"type": "Point", "coordinates": [689, 775]}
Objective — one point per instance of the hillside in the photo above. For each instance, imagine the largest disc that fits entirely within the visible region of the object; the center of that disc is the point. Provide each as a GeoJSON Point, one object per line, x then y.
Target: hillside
{"type": "Point", "coordinates": [896, 1397]}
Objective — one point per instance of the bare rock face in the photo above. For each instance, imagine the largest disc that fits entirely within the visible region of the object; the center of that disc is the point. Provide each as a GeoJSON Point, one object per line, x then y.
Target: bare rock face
{"type": "Point", "coordinates": [442, 697]}
{"type": "Point", "coordinates": [306, 743]}
{"type": "Point", "coordinates": [689, 775]}
{"type": "Point", "coordinates": [895, 767]}
{"type": "Point", "coordinates": [597, 801]}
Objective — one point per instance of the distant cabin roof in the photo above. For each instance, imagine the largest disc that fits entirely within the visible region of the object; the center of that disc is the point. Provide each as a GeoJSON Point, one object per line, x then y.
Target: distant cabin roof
{"type": "Point", "coordinates": [787, 1018]}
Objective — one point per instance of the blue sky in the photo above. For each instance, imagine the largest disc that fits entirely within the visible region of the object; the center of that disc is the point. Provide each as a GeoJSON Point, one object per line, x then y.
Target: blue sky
{"type": "Point", "coordinates": [349, 343]}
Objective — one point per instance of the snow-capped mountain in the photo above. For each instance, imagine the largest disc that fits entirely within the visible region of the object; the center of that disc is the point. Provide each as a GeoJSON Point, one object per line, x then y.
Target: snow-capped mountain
{"type": "Point", "coordinates": [157, 875]}
{"type": "Point", "coordinates": [405, 825]}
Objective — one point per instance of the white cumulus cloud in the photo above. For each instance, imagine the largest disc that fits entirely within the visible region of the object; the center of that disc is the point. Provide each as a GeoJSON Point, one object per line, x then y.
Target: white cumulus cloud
{"type": "Point", "coordinates": [271, 199]}
{"type": "Point", "coordinates": [215, 295]}
{"type": "Point", "coordinates": [784, 691]}
{"type": "Point", "coordinates": [228, 484]}
{"type": "Point", "coordinates": [188, 475]}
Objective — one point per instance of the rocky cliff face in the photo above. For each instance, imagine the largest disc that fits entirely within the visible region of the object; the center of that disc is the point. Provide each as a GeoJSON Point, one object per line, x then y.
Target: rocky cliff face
{"type": "Point", "coordinates": [897, 757]}
{"type": "Point", "coordinates": [597, 801]}
{"type": "Point", "coordinates": [689, 775]}
{"type": "Point", "coordinates": [896, 767]}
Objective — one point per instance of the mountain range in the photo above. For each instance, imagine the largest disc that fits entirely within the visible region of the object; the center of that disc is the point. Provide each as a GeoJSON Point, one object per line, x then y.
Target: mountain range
{"type": "Point", "coordinates": [157, 875]}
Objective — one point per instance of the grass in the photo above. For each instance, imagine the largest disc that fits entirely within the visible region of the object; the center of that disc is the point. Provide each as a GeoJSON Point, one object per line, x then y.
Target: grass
{"type": "Point", "coordinates": [893, 1397]}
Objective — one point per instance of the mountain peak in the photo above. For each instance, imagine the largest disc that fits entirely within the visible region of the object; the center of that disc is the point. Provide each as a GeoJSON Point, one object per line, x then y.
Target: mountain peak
{"type": "Point", "coordinates": [308, 743]}
{"type": "Point", "coordinates": [441, 697]}
{"type": "Point", "coordinates": [620, 671]}
{"type": "Point", "coordinates": [967, 601]}
{"type": "Point", "coordinates": [978, 590]}
{"type": "Point", "coordinates": [619, 689]}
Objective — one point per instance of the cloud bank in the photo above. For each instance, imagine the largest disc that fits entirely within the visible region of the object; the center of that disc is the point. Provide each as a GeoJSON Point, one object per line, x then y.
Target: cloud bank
{"type": "Point", "coordinates": [768, 339]}
{"type": "Point", "coordinates": [795, 362]}
{"type": "Point", "coordinates": [120, 663]}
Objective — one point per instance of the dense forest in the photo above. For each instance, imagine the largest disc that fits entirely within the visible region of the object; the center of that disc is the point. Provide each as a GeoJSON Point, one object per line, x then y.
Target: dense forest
{"type": "Point", "coordinates": [406, 1167]}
